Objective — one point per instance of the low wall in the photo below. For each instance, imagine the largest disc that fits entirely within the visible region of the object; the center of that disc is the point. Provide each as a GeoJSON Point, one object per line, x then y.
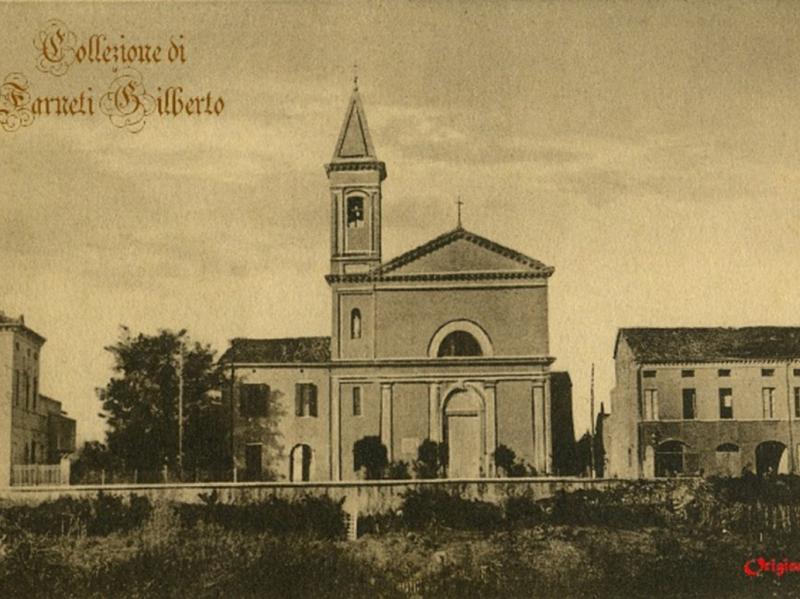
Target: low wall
{"type": "Point", "coordinates": [363, 497]}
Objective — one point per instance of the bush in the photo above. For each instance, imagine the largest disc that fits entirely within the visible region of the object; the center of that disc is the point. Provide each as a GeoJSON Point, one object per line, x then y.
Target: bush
{"type": "Point", "coordinates": [398, 471]}
{"type": "Point", "coordinates": [319, 517]}
{"type": "Point", "coordinates": [97, 516]}
{"type": "Point", "coordinates": [369, 453]}
{"type": "Point", "coordinates": [431, 460]}
{"type": "Point", "coordinates": [426, 507]}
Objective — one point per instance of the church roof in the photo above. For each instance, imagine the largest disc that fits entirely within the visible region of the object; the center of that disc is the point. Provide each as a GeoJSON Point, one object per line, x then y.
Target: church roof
{"type": "Point", "coordinates": [287, 350]}
{"type": "Point", "coordinates": [509, 264]}
{"type": "Point", "coordinates": [712, 344]}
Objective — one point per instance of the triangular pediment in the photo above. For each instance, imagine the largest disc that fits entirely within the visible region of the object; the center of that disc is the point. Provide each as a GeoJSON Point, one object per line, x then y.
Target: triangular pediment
{"type": "Point", "coordinates": [461, 252]}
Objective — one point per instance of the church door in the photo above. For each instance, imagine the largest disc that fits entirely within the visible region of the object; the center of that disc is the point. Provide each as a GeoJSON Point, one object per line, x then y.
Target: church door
{"type": "Point", "coordinates": [464, 435]}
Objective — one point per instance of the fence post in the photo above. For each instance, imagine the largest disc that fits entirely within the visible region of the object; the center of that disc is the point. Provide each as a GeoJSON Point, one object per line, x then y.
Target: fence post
{"type": "Point", "coordinates": [135, 476]}
{"type": "Point", "coordinates": [103, 476]}
{"type": "Point", "coordinates": [166, 473]}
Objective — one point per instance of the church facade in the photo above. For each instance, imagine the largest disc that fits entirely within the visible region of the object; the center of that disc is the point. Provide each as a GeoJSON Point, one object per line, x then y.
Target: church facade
{"type": "Point", "coordinates": [448, 341]}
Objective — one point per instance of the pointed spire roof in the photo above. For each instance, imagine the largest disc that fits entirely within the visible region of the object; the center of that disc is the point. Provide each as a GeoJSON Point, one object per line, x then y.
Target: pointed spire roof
{"type": "Point", "coordinates": [354, 147]}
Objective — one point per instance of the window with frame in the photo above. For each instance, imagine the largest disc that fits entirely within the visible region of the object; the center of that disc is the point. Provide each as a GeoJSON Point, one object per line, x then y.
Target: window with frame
{"type": "Point", "coordinates": [724, 372]}
{"type": "Point", "coordinates": [15, 387]}
{"type": "Point", "coordinates": [687, 374]}
{"type": "Point", "coordinates": [356, 401]}
{"type": "Point", "coordinates": [649, 374]}
{"type": "Point", "coordinates": [768, 402]}
{"type": "Point", "coordinates": [305, 400]}
{"type": "Point", "coordinates": [26, 389]}
{"type": "Point", "coordinates": [355, 212]}
{"type": "Point", "coordinates": [689, 404]}
{"type": "Point", "coordinates": [254, 400]}
{"type": "Point", "coordinates": [726, 404]}
{"type": "Point", "coordinates": [650, 411]}
{"type": "Point", "coordinates": [35, 392]}
{"type": "Point", "coordinates": [797, 402]}
{"type": "Point", "coordinates": [796, 372]}
{"type": "Point", "coordinates": [767, 372]}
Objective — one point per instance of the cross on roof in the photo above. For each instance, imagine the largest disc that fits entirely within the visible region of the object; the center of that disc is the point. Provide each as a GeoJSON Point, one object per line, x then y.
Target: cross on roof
{"type": "Point", "coordinates": [459, 203]}
{"type": "Point", "coordinates": [355, 77]}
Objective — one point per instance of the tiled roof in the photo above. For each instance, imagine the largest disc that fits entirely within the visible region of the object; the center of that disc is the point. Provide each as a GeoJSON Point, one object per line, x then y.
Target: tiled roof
{"type": "Point", "coordinates": [289, 350]}
{"type": "Point", "coordinates": [535, 268]}
{"type": "Point", "coordinates": [712, 344]}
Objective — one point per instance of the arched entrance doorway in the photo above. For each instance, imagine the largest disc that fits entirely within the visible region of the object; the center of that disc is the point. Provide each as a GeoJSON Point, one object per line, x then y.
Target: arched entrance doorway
{"type": "Point", "coordinates": [670, 458]}
{"type": "Point", "coordinates": [771, 458]}
{"type": "Point", "coordinates": [463, 431]}
{"type": "Point", "coordinates": [300, 463]}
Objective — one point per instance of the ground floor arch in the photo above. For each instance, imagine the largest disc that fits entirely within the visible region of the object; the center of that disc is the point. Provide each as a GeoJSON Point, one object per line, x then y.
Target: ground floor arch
{"type": "Point", "coordinates": [300, 463]}
{"type": "Point", "coordinates": [772, 458]}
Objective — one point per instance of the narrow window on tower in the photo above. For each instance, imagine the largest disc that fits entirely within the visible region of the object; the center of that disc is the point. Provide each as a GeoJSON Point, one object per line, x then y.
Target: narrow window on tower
{"type": "Point", "coordinates": [355, 324]}
{"type": "Point", "coordinates": [355, 212]}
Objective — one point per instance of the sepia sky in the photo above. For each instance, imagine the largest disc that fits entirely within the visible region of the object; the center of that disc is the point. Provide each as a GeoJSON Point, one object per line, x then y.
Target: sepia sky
{"type": "Point", "coordinates": [648, 151]}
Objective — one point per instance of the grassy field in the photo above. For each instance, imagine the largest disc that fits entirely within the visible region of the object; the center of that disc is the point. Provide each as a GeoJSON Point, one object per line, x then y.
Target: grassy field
{"type": "Point", "coordinates": [581, 546]}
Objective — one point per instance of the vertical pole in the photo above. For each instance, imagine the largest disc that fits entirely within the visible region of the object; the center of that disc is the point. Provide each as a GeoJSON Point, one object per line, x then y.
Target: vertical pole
{"type": "Point", "coordinates": [591, 422]}
{"type": "Point", "coordinates": [791, 449]}
{"type": "Point", "coordinates": [180, 410]}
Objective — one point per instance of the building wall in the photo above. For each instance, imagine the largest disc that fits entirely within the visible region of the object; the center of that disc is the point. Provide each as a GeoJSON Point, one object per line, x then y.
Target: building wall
{"type": "Point", "coordinates": [749, 427]}
{"type": "Point", "coordinates": [6, 392]}
{"type": "Point", "coordinates": [28, 414]}
{"type": "Point", "coordinates": [282, 430]}
{"type": "Point", "coordinates": [354, 427]}
{"type": "Point", "coordinates": [515, 418]}
{"type": "Point", "coordinates": [621, 434]}
{"type": "Point", "coordinates": [514, 318]}
{"type": "Point", "coordinates": [409, 419]}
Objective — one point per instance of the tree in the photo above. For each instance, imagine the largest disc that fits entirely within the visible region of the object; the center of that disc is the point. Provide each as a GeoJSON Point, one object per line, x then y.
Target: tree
{"type": "Point", "coordinates": [431, 459]}
{"type": "Point", "coordinates": [140, 403]}
{"type": "Point", "coordinates": [369, 453]}
{"type": "Point", "coordinates": [93, 457]}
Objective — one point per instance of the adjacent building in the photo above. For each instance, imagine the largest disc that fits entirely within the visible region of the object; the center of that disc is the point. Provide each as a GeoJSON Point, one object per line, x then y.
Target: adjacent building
{"type": "Point", "coordinates": [35, 429]}
{"type": "Point", "coordinates": [448, 341]}
{"type": "Point", "coordinates": [714, 401]}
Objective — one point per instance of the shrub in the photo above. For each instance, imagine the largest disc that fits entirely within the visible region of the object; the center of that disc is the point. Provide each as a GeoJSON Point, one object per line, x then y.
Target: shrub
{"type": "Point", "coordinates": [369, 453]}
{"type": "Point", "coordinates": [398, 471]}
{"type": "Point", "coordinates": [431, 459]}
{"type": "Point", "coordinates": [425, 507]}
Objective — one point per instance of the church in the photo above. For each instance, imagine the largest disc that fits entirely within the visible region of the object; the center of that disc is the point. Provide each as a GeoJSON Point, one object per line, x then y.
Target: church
{"type": "Point", "coordinates": [448, 342]}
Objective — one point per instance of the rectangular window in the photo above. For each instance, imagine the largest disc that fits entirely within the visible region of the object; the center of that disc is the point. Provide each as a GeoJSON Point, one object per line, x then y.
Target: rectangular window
{"type": "Point", "coordinates": [768, 401]}
{"type": "Point", "coordinates": [689, 400]}
{"type": "Point", "coordinates": [356, 401]}
{"type": "Point", "coordinates": [687, 374]}
{"type": "Point", "coordinates": [305, 400]}
{"type": "Point", "coordinates": [726, 404]}
{"type": "Point", "coordinates": [723, 372]}
{"type": "Point", "coordinates": [15, 388]}
{"type": "Point", "coordinates": [797, 402]}
{"type": "Point", "coordinates": [35, 392]}
{"type": "Point", "coordinates": [254, 400]}
{"type": "Point", "coordinates": [649, 374]}
{"type": "Point", "coordinates": [796, 371]}
{"type": "Point", "coordinates": [650, 404]}
{"type": "Point", "coordinates": [767, 372]}
{"type": "Point", "coordinates": [26, 389]}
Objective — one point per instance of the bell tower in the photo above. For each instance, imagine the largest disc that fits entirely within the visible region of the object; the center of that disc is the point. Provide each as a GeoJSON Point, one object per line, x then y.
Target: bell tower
{"type": "Point", "coordinates": [354, 176]}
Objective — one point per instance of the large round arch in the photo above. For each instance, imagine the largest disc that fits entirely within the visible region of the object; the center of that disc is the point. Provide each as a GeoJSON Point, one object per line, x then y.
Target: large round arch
{"type": "Point", "coordinates": [464, 338]}
{"type": "Point", "coordinates": [771, 458]}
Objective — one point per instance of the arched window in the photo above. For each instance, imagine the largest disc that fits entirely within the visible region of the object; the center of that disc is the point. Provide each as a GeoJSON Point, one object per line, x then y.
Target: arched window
{"type": "Point", "coordinates": [727, 448]}
{"type": "Point", "coordinates": [459, 343]}
{"type": "Point", "coordinates": [300, 463]}
{"type": "Point", "coordinates": [355, 323]}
